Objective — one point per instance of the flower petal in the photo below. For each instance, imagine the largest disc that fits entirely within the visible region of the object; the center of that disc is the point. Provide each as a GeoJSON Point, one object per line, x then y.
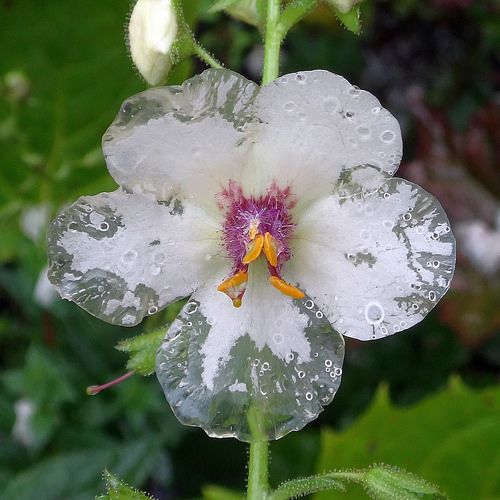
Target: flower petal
{"type": "Point", "coordinates": [375, 262]}
{"type": "Point", "coordinates": [121, 256]}
{"type": "Point", "coordinates": [186, 138]}
{"type": "Point", "coordinates": [315, 125]}
{"type": "Point", "coordinates": [275, 355]}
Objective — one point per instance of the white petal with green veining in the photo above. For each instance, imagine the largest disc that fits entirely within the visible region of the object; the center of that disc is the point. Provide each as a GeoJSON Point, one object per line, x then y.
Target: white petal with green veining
{"type": "Point", "coordinates": [314, 125]}
{"type": "Point", "coordinates": [376, 262]}
{"type": "Point", "coordinates": [187, 139]}
{"type": "Point", "coordinates": [274, 353]}
{"type": "Point", "coordinates": [121, 256]}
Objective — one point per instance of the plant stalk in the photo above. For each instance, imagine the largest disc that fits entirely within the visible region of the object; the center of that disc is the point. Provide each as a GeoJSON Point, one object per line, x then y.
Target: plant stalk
{"type": "Point", "coordinates": [272, 42]}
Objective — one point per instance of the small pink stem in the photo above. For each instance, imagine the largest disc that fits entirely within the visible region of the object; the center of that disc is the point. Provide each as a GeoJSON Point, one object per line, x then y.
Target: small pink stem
{"type": "Point", "coordinates": [92, 390]}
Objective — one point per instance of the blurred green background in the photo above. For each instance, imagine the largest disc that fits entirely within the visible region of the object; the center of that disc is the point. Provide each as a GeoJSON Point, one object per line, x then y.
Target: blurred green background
{"type": "Point", "coordinates": [64, 71]}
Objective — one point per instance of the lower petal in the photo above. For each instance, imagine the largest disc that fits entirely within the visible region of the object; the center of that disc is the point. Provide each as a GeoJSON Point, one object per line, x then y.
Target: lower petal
{"type": "Point", "coordinates": [274, 356]}
{"type": "Point", "coordinates": [376, 262]}
{"type": "Point", "coordinates": [121, 256]}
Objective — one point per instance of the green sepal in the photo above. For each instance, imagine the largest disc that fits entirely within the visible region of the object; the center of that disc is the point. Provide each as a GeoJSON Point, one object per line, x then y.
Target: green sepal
{"type": "Point", "coordinates": [351, 19]}
{"type": "Point", "coordinates": [296, 488]}
{"type": "Point", "coordinates": [219, 5]}
{"type": "Point", "coordinates": [294, 12]}
{"type": "Point", "coordinates": [384, 481]}
{"type": "Point", "coordinates": [118, 490]}
{"type": "Point", "coordinates": [142, 350]}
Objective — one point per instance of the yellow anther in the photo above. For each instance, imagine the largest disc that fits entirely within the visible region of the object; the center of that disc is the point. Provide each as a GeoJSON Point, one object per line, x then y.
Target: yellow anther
{"type": "Point", "coordinates": [271, 249]}
{"type": "Point", "coordinates": [286, 288]}
{"type": "Point", "coordinates": [234, 287]}
{"type": "Point", "coordinates": [233, 282]}
{"type": "Point", "coordinates": [254, 249]}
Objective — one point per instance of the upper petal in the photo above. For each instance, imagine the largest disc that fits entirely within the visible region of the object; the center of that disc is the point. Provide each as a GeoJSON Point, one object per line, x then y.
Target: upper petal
{"type": "Point", "coordinates": [121, 256]}
{"type": "Point", "coordinates": [185, 139]}
{"type": "Point", "coordinates": [275, 355]}
{"type": "Point", "coordinates": [315, 125]}
{"type": "Point", "coordinates": [376, 262]}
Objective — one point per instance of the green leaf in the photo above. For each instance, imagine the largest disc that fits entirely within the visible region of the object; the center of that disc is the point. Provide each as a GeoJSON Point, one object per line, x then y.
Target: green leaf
{"type": "Point", "coordinates": [118, 490]}
{"type": "Point", "coordinates": [211, 492]}
{"type": "Point", "coordinates": [451, 439]}
{"type": "Point", "coordinates": [383, 481]}
{"type": "Point", "coordinates": [142, 350]}
{"type": "Point", "coordinates": [300, 487]}
{"type": "Point", "coordinates": [351, 20]}
{"type": "Point", "coordinates": [219, 5]}
{"type": "Point", "coordinates": [294, 12]}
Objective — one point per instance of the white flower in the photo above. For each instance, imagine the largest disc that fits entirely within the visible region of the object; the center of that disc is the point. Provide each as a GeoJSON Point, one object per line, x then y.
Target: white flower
{"type": "Point", "coordinates": [280, 197]}
{"type": "Point", "coordinates": [152, 31]}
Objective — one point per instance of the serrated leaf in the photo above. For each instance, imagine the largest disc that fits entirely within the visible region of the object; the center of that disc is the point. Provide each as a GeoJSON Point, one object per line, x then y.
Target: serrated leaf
{"type": "Point", "coordinates": [383, 481]}
{"type": "Point", "coordinates": [296, 488]}
{"type": "Point", "coordinates": [351, 20]}
{"type": "Point", "coordinates": [455, 430]}
{"type": "Point", "coordinates": [142, 350]}
{"type": "Point", "coordinates": [118, 490]}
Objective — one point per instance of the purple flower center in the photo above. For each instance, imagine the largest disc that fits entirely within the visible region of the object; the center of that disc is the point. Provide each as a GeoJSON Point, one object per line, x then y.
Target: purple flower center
{"type": "Point", "coordinates": [246, 218]}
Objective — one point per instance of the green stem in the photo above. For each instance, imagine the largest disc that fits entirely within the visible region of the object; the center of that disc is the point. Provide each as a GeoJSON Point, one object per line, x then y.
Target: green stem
{"type": "Point", "coordinates": [258, 486]}
{"type": "Point", "coordinates": [272, 42]}
{"type": "Point", "coordinates": [206, 56]}
{"type": "Point", "coordinates": [258, 470]}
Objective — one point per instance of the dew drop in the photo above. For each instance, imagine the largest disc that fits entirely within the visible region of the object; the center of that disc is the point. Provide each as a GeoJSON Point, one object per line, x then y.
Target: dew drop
{"type": "Point", "coordinates": [278, 338]}
{"type": "Point", "coordinates": [155, 270]}
{"type": "Point", "coordinates": [309, 396]}
{"type": "Point", "coordinates": [301, 374]}
{"type": "Point", "coordinates": [338, 371]}
{"type": "Point", "coordinates": [363, 132]}
{"type": "Point", "coordinates": [331, 104]}
{"type": "Point", "coordinates": [328, 363]}
{"type": "Point", "coordinates": [354, 91]}
{"type": "Point", "coordinates": [129, 256]}
{"type": "Point", "coordinates": [104, 226]}
{"type": "Point", "coordinates": [407, 216]}
{"type": "Point", "coordinates": [432, 295]}
{"type": "Point", "coordinates": [290, 356]}
{"type": "Point", "coordinates": [374, 313]}
{"type": "Point", "coordinates": [152, 310]}
{"type": "Point", "coordinates": [265, 366]}
{"type": "Point", "coordinates": [388, 136]}
{"type": "Point", "coordinates": [72, 226]}
{"type": "Point", "coordinates": [319, 314]}
{"type": "Point", "coordinates": [376, 110]}
{"type": "Point", "coordinates": [309, 304]}
{"type": "Point", "coordinates": [191, 307]}
{"type": "Point", "coordinates": [159, 257]}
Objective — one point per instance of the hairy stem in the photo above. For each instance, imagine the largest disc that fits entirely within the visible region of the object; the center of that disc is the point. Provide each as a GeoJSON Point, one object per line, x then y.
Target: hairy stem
{"type": "Point", "coordinates": [258, 463]}
{"type": "Point", "coordinates": [205, 56]}
{"type": "Point", "coordinates": [272, 42]}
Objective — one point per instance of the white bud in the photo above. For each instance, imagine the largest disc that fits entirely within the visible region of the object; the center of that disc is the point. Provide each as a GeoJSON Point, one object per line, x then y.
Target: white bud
{"type": "Point", "coordinates": [152, 31]}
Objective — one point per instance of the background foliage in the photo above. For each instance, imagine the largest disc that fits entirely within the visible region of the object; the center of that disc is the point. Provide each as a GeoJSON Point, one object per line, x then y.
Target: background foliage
{"type": "Point", "coordinates": [64, 71]}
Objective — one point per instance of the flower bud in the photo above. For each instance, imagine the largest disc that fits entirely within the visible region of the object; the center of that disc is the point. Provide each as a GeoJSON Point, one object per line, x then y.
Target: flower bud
{"type": "Point", "coordinates": [152, 31]}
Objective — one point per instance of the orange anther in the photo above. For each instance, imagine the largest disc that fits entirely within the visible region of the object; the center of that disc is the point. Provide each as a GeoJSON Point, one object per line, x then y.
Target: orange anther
{"type": "Point", "coordinates": [233, 282]}
{"type": "Point", "coordinates": [254, 249]}
{"type": "Point", "coordinates": [271, 249]}
{"type": "Point", "coordinates": [285, 288]}
{"type": "Point", "coordinates": [234, 287]}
